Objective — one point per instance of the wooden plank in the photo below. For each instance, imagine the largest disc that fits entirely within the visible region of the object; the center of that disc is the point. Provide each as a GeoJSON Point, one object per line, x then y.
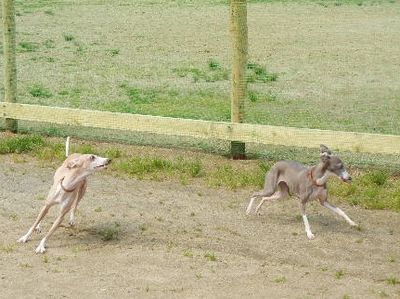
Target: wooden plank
{"type": "Point", "coordinates": [264, 134]}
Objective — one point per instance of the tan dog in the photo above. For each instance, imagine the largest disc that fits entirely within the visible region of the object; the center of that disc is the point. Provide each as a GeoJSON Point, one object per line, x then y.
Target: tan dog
{"type": "Point", "coordinates": [69, 186]}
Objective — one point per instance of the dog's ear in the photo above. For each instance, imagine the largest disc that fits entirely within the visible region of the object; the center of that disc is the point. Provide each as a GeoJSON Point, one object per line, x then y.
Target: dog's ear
{"type": "Point", "coordinates": [325, 153]}
{"type": "Point", "coordinates": [74, 163]}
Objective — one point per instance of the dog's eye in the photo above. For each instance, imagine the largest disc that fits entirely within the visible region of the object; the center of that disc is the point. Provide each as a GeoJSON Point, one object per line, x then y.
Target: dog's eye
{"type": "Point", "coordinates": [92, 157]}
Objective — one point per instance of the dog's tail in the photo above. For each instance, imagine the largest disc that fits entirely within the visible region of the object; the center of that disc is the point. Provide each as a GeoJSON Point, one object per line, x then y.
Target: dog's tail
{"type": "Point", "coordinates": [67, 147]}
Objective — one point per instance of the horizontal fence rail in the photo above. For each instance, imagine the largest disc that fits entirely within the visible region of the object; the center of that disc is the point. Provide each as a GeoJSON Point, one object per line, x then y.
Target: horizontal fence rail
{"type": "Point", "coordinates": [263, 134]}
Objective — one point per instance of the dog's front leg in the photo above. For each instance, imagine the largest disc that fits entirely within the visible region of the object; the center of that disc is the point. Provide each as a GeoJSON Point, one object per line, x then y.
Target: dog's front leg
{"type": "Point", "coordinates": [339, 212]}
{"type": "Point", "coordinates": [310, 235]}
{"type": "Point", "coordinates": [35, 225]}
{"type": "Point", "coordinates": [42, 245]}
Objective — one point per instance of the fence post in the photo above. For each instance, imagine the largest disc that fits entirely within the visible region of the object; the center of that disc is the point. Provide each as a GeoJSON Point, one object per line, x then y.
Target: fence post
{"type": "Point", "coordinates": [238, 29]}
{"type": "Point", "coordinates": [10, 68]}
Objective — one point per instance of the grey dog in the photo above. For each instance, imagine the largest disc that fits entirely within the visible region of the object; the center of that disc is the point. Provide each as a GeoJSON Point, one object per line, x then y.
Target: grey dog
{"type": "Point", "coordinates": [292, 178]}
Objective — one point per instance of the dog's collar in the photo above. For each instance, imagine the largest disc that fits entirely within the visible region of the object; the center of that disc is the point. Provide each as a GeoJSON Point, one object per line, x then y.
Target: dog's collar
{"type": "Point", "coordinates": [65, 189]}
{"type": "Point", "coordinates": [313, 181]}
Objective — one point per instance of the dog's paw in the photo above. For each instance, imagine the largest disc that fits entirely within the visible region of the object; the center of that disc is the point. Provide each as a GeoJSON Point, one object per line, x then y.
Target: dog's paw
{"type": "Point", "coordinates": [23, 239]}
{"type": "Point", "coordinates": [40, 249]}
{"type": "Point", "coordinates": [71, 222]}
{"type": "Point", "coordinates": [352, 223]}
{"type": "Point", "coordinates": [38, 229]}
{"type": "Point", "coordinates": [310, 235]}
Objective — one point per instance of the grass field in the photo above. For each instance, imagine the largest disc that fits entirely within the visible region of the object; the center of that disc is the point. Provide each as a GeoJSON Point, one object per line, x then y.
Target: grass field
{"type": "Point", "coordinates": [317, 64]}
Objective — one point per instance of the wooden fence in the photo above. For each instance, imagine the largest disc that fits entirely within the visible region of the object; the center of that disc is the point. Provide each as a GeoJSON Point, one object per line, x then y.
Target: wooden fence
{"type": "Point", "coordinates": [262, 134]}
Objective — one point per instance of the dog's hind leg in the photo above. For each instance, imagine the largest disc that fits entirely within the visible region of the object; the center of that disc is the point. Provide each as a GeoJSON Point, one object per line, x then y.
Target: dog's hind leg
{"type": "Point", "coordinates": [270, 187]}
{"type": "Point", "coordinates": [78, 198]}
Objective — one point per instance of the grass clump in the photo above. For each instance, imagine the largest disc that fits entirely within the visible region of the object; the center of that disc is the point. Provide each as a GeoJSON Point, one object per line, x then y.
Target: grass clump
{"type": "Point", "coordinates": [156, 167]}
{"type": "Point", "coordinates": [339, 274]}
{"type": "Point", "coordinates": [257, 73]}
{"type": "Point", "coordinates": [110, 232]}
{"type": "Point", "coordinates": [212, 73]}
{"type": "Point", "coordinates": [281, 279]}
{"type": "Point", "coordinates": [392, 280]}
{"type": "Point", "coordinates": [68, 37]}
{"type": "Point", "coordinates": [27, 47]}
{"type": "Point", "coordinates": [38, 91]}
{"type": "Point", "coordinates": [21, 144]}
{"type": "Point", "coordinates": [210, 256]}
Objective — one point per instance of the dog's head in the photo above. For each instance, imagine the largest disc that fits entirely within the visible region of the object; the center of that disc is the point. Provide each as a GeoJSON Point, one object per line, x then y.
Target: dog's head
{"type": "Point", "coordinates": [86, 163]}
{"type": "Point", "coordinates": [334, 164]}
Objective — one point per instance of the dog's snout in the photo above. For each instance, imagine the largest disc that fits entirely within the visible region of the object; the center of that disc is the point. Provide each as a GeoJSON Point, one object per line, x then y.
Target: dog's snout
{"type": "Point", "coordinates": [108, 161]}
{"type": "Point", "coordinates": [350, 179]}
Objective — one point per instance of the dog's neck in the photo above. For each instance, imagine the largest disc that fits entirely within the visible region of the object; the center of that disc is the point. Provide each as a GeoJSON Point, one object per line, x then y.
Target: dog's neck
{"type": "Point", "coordinates": [70, 182]}
{"type": "Point", "coordinates": [319, 175]}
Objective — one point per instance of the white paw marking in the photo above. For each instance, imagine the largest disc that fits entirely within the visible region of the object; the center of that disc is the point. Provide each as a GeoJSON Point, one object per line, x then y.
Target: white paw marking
{"type": "Point", "coordinates": [310, 235]}
{"type": "Point", "coordinates": [23, 239]}
{"type": "Point", "coordinates": [40, 249]}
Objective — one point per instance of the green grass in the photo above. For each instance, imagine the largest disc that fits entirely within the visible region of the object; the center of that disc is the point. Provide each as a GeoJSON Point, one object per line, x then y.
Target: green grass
{"type": "Point", "coordinates": [20, 144]}
{"type": "Point", "coordinates": [213, 72]}
{"type": "Point", "coordinates": [301, 77]}
{"type": "Point", "coordinates": [392, 280]}
{"type": "Point", "coordinates": [38, 91]}
{"type": "Point", "coordinates": [27, 47]}
{"type": "Point", "coordinates": [110, 232]}
{"type": "Point", "coordinates": [370, 189]}
{"type": "Point", "coordinates": [210, 256]}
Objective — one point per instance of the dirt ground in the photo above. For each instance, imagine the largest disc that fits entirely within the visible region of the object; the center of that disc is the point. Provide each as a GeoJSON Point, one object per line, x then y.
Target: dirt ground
{"type": "Point", "coordinates": [189, 242]}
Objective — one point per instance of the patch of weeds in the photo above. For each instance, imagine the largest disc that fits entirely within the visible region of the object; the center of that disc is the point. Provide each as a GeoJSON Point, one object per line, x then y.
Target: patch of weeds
{"type": "Point", "coordinates": [392, 259]}
{"type": "Point", "coordinates": [392, 280]}
{"type": "Point", "coordinates": [98, 210]}
{"type": "Point", "coordinates": [40, 197]}
{"type": "Point", "coordinates": [188, 253]}
{"type": "Point", "coordinates": [339, 274]}
{"type": "Point", "coordinates": [210, 256]}
{"type": "Point", "coordinates": [346, 296]}
{"type": "Point", "coordinates": [257, 73]}
{"type": "Point", "coordinates": [38, 91]}
{"type": "Point", "coordinates": [142, 167]}
{"type": "Point", "coordinates": [49, 12]}
{"type": "Point", "coordinates": [281, 279]}
{"type": "Point", "coordinates": [45, 259]}
{"type": "Point", "coordinates": [110, 232]}
{"type": "Point", "coordinates": [20, 144]}
{"type": "Point", "coordinates": [68, 37]}
{"type": "Point", "coordinates": [25, 265]}
{"type": "Point", "coordinates": [52, 152]}
{"type": "Point", "coordinates": [7, 248]}
{"type": "Point", "coordinates": [212, 73]}
{"type": "Point", "coordinates": [49, 43]}
{"type": "Point", "coordinates": [138, 96]}
{"type": "Point", "coordinates": [13, 217]}
{"type": "Point", "coordinates": [255, 97]}
{"type": "Point", "coordinates": [198, 275]}
{"type": "Point", "coordinates": [27, 47]}
{"type": "Point", "coordinates": [113, 153]}
{"type": "Point", "coordinates": [80, 47]}
{"type": "Point", "coordinates": [85, 149]}
{"type": "Point", "coordinates": [227, 176]}
{"type": "Point", "coordinates": [113, 52]}
{"type": "Point", "coordinates": [377, 178]}
{"type": "Point", "coordinates": [143, 227]}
